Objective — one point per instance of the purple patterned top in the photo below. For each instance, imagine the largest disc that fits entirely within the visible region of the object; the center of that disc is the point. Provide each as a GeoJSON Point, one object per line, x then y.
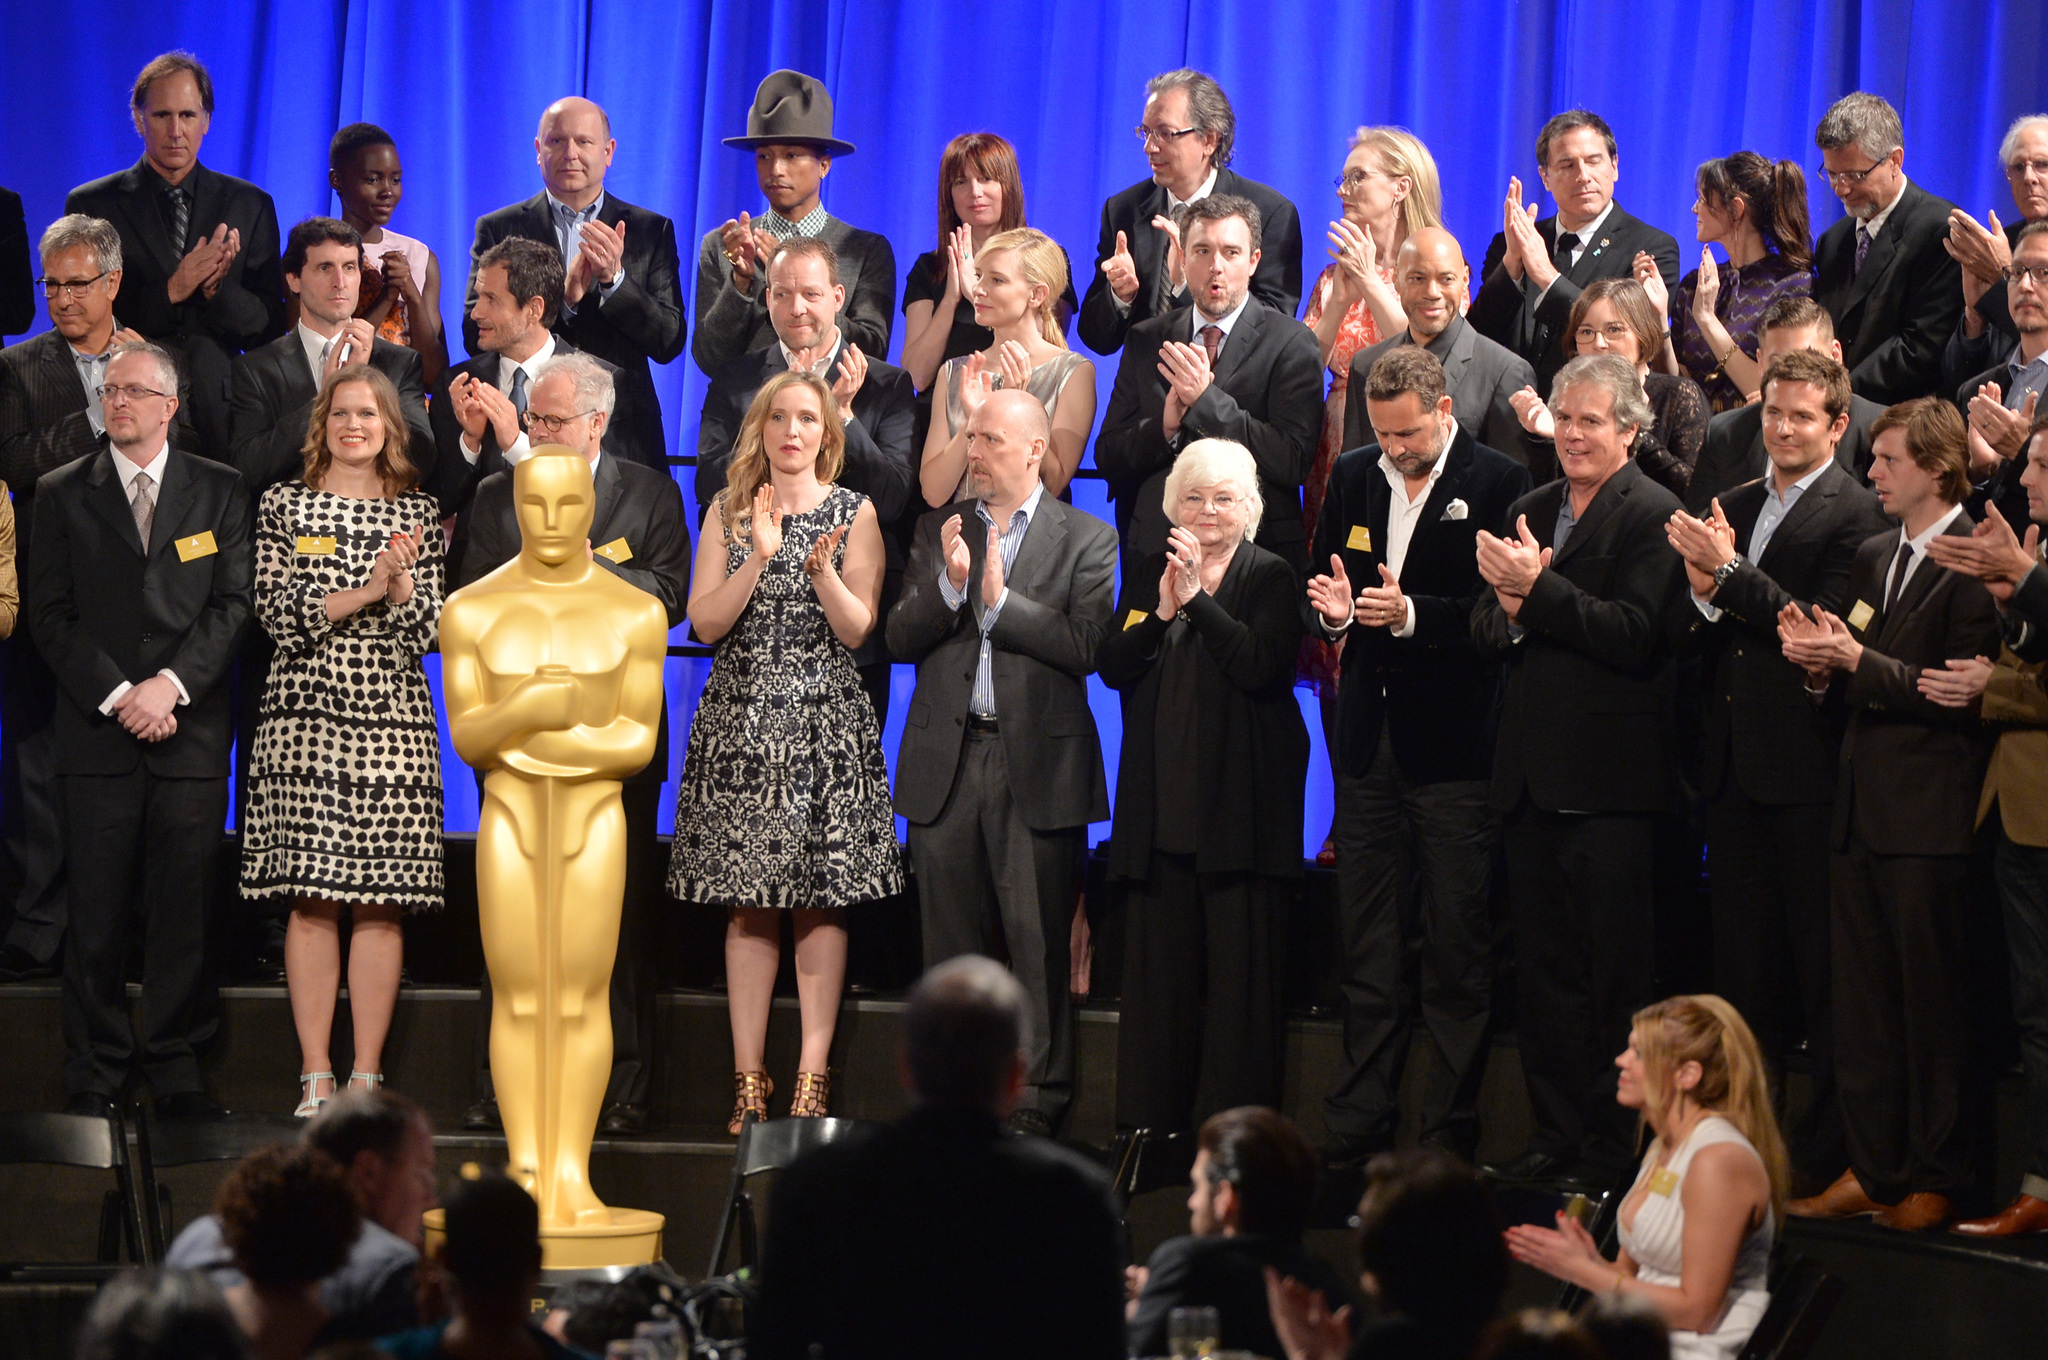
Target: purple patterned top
{"type": "Point", "coordinates": [1746, 294]}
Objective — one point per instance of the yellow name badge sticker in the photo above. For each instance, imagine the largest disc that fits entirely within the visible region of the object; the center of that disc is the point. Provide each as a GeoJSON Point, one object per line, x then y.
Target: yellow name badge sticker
{"type": "Point", "coordinates": [1133, 619]}
{"type": "Point", "coordinates": [1861, 615]}
{"type": "Point", "coordinates": [616, 552]}
{"type": "Point", "coordinates": [1663, 1182]}
{"type": "Point", "coordinates": [198, 545]}
{"type": "Point", "coordinates": [1360, 540]}
{"type": "Point", "coordinates": [317, 547]}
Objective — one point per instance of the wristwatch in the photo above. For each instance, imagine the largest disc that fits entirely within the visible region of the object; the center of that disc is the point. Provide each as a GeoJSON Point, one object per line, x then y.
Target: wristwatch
{"type": "Point", "coordinates": [1726, 570]}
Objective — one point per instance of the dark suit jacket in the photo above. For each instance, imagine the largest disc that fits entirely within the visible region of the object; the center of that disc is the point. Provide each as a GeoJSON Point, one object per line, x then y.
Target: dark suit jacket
{"type": "Point", "coordinates": [1437, 700]}
{"type": "Point", "coordinates": [1586, 725]}
{"type": "Point", "coordinates": [1266, 394]}
{"type": "Point", "coordinates": [634, 503]}
{"type": "Point", "coordinates": [1733, 451]}
{"type": "Point", "coordinates": [1964, 355]}
{"type": "Point", "coordinates": [1480, 376]}
{"type": "Point", "coordinates": [105, 610]}
{"type": "Point", "coordinates": [1895, 318]}
{"type": "Point", "coordinates": [641, 322]}
{"type": "Point", "coordinates": [454, 478]}
{"type": "Point", "coordinates": [1251, 744]}
{"type": "Point", "coordinates": [273, 400]}
{"type": "Point", "coordinates": [1762, 731]}
{"type": "Point", "coordinates": [731, 326]}
{"type": "Point", "coordinates": [205, 333]}
{"type": "Point", "coordinates": [1277, 283]}
{"type": "Point", "coordinates": [1229, 1275]}
{"type": "Point", "coordinates": [1502, 312]}
{"type": "Point", "coordinates": [17, 268]}
{"type": "Point", "coordinates": [938, 1236]}
{"type": "Point", "coordinates": [1911, 770]}
{"type": "Point", "coordinates": [1042, 649]}
{"type": "Point", "coordinates": [2002, 488]}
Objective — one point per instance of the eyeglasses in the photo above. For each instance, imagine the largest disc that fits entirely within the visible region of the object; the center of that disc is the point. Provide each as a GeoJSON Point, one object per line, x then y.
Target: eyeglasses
{"type": "Point", "coordinates": [1613, 330]}
{"type": "Point", "coordinates": [1146, 136]}
{"type": "Point", "coordinates": [550, 425]}
{"type": "Point", "coordinates": [122, 393]}
{"type": "Point", "coordinates": [70, 287]}
{"type": "Point", "coordinates": [1222, 502]}
{"type": "Point", "coordinates": [2020, 169]}
{"type": "Point", "coordinates": [1352, 180]}
{"type": "Point", "coordinates": [2014, 273]}
{"type": "Point", "coordinates": [1849, 179]}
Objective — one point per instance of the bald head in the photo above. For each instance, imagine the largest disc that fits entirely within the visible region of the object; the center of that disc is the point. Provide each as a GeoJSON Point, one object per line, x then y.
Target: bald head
{"type": "Point", "coordinates": [1006, 442]}
{"type": "Point", "coordinates": [574, 148]}
{"type": "Point", "coordinates": [1429, 275]}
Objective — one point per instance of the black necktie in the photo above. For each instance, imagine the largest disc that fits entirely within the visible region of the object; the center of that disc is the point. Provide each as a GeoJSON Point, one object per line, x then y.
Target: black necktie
{"type": "Point", "coordinates": [1561, 256]}
{"type": "Point", "coordinates": [1899, 565]}
{"type": "Point", "coordinates": [180, 201]}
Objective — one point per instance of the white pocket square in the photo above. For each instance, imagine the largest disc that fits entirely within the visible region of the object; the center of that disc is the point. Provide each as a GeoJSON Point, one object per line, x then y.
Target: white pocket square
{"type": "Point", "coordinates": [1457, 509]}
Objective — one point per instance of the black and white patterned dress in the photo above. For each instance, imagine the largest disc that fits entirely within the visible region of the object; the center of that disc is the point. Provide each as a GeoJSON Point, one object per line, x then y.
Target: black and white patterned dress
{"type": "Point", "coordinates": [784, 797]}
{"type": "Point", "coordinates": [345, 771]}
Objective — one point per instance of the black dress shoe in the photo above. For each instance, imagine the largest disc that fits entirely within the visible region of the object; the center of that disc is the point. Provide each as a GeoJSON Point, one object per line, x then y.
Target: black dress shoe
{"type": "Point", "coordinates": [1029, 1123]}
{"type": "Point", "coordinates": [91, 1104]}
{"type": "Point", "coordinates": [18, 965]}
{"type": "Point", "coordinates": [189, 1105]}
{"type": "Point", "coordinates": [483, 1117]}
{"type": "Point", "coordinates": [623, 1119]}
{"type": "Point", "coordinates": [1533, 1165]}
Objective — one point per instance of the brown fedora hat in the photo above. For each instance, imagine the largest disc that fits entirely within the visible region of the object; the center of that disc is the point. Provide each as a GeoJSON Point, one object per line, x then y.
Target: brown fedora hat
{"type": "Point", "coordinates": [790, 106]}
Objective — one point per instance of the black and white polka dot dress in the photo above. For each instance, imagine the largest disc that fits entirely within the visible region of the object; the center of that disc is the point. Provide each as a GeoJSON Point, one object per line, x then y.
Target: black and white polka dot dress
{"type": "Point", "coordinates": [345, 772]}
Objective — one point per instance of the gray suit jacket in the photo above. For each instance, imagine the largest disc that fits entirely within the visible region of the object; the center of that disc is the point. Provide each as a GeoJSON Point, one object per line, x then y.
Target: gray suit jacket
{"type": "Point", "coordinates": [731, 324]}
{"type": "Point", "coordinates": [1042, 650]}
{"type": "Point", "coordinates": [1734, 450]}
{"type": "Point", "coordinates": [1480, 374]}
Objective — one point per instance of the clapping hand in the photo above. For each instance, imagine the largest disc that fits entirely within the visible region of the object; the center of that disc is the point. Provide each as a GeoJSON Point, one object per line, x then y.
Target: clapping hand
{"type": "Point", "coordinates": [1533, 413]}
{"type": "Point", "coordinates": [767, 523]}
{"type": "Point", "coordinates": [356, 337]}
{"type": "Point", "coordinates": [2005, 431]}
{"type": "Point", "coordinates": [954, 549]}
{"type": "Point", "coordinates": [1511, 565]}
{"type": "Point", "coordinates": [1991, 553]}
{"type": "Point", "coordinates": [205, 265]}
{"type": "Point", "coordinates": [1186, 370]}
{"type": "Point", "coordinates": [819, 562]}
{"type": "Point", "coordinates": [1566, 1252]}
{"type": "Point", "coordinates": [975, 385]}
{"type": "Point", "coordinates": [1014, 359]}
{"type": "Point", "coordinates": [1357, 257]}
{"type": "Point", "coordinates": [961, 276]}
{"type": "Point", "coordinates": [1817, 645]}
{"type": "Point", "coordinates": [1182, 579]}
{"type": "Point", "coordinates": [1176, 271]}
{"type": "Point", "coordinates": [1302, 1319]}
{"type": "Point", "coordinates": [1644, 268]}
{"type": "Point", "coordinates": [1960, 686]}
{"type": "Point", "coordinates": [992, 570]}
{"type": "Point", "coordinates": [1331, 595]}
{"type": "Point", "coordinates": [1707, 289]}
{"type": "Point", "coordinates": [1981, 250]}
{"type": "Point", "coordinates": [847, 380]}
{"type": "Point", "coordinates": [391, 572]}
{"type": "Point", "coordinates": [1705, 544]}
{"type": "Point", "coordinates": [598, 262]}
{"type": "Point", "coordinates": [1121, 272]}
{"type": "Point", "coordinates": [1525, 243]}
{"type": "Point", "coordinates": [746, 248]}
{"type": "Point", "coordinates": [1383, 605]}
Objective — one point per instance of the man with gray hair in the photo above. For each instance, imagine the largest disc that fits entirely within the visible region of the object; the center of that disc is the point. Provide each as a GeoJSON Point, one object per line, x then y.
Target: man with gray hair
{"type": "Point", "coordinates": [1987, 333]}
{"type": "Point", "coordinates": [1586, 597]}
{"type": "Point", "coordinates": [1884, 271]}
{"type": "Point", "coordinates": [939, 1235]}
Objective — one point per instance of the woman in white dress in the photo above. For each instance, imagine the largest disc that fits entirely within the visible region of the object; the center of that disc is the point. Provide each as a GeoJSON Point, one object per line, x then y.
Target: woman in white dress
{"type": "Point", "coordinates": [1697, 1226]}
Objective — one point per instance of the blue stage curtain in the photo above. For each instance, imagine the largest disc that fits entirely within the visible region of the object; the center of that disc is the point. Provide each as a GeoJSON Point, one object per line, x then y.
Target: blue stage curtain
{"type": "Point", "coordinates": [461, 86]}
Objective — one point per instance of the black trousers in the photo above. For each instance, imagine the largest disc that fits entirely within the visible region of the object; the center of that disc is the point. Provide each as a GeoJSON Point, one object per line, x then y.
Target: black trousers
{"type": "Point", "coordinates": [1767, 872]}
{"type": "Point", "coordinates": [31, 795]}
{"type": "Point", "coordinates": [161, 836]}
{"type": "Point", "coordinates": [1902, 1047]}
{"type": "Point", "coordinates": [1580, 893]}
{"type": "Point", "coordinates": [1200, 1029]}
{"type": "Point", "coordinates": [2022, 874]}
{"type": "Point", "coordinates": [986, 881]}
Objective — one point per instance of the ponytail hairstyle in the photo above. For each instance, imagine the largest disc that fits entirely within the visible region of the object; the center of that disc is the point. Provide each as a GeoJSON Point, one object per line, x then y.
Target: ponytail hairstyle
{"type": "Point", "coordinates": [1776, 195]}
{"type": "Point", "coordinates": [747, 471]}
{"type": "Point", "coordinates": [1733, 1083]}
{"type": "Point", "coordinates": [1044, 265]}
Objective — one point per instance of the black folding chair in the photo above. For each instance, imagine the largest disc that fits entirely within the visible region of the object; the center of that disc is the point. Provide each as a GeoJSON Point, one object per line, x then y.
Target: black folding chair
{"type": "Point", "coordinates": [1803, 1298]}
{"type": "Point", "coordinates": [164, 1143]}
{"type": "Point", "coordinates": [764, 1147]}
{"type": "Point", "coordinates": [88, 1142]}
{"type": "Point", "coordinates": [1142, 1161]}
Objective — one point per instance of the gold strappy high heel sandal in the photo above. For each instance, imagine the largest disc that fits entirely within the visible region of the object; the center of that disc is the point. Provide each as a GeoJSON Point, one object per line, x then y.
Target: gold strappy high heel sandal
{"type": "Point", "coordinates": [750, 1092]}
{"type": "Point", "coordinates": [808, 1100]}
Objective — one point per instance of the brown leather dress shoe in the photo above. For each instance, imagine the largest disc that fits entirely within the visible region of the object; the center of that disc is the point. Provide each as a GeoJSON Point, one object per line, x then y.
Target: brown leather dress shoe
{"type": "Point", "coordinates": [1843, 1199]}
{"type": "Point", "coordinates": [1921, 1211]}
{"type": "Point", "coordinates": [2024, 1215]}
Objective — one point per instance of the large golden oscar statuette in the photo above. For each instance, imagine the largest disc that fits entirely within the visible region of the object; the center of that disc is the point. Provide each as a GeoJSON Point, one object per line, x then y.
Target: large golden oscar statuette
{"type": "Point", "coordinates": [552, 669]}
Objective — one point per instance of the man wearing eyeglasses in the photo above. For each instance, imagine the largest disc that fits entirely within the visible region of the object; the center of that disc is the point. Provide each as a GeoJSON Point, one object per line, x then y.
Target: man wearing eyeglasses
{"type": "Point", "coordinates": [1884, 273]}
{"type": "Point", "coordinates": [2002, 401]}
{"type": "Point", "coordinates": [1984, 249]}
{"type": "Point", "coordinates": [1140, 272]}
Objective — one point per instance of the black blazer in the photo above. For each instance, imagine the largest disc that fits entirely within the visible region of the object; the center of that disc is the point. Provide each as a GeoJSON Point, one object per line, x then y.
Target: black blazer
{"type": "Point", "coordinates": [1479, 374]}
{"type": "Point", "coordinates": [732, 325]}
{"type": "Point", "coordinates": [2002, 488]}
{"type": "Point", "coordinates": [638, 505]}
{"type": "Point", "coordinates": [1251, 744]}
{"type": "Point", "coordinates": [1436, 699]}
{"type": "Point", "coordinates": [17, 269]}
{"type": "Point", "coordinates": [1277, 282]}
{"type": "Point", "coordinates": [641, 322]}
{"type": "Point", "coordinates": [205, 333]}
{"type": "Point", "coordinates": [104, 610]}
{"type": "Point", "coordinates": [1895, 318]}
{"type": "Point", "coordinates": [1229, 1275]}
{"type": "Point", "coordinates": [273, 400]}
{"type": "Point", "coordinates": [1502, 312]}
{"type": "Point", "coordinates": [939, 1236]}
{"type": "Point", "coordinates": [1761, 730]}
{"type": "Point", "coordinates": [454, 478]}
{"type": "Point", "coordinates": [1266, 395]}
{"type": "Point", "coordinates": [1586, 725]}
{"type": "Point", "coordinates": [1733, 451]}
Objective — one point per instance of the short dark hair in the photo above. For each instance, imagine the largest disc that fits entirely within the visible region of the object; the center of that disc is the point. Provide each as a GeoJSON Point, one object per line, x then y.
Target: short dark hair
{"type": "Point", "coordinates": [1631, 302]}
{"type": "Point", "coordinates": [1805, 366]}
{"type": "Point", "coordinates": [962, 1030]}
{"type": "Point", "coordinates": [355, 1122]}
{"type": "Point", "coordinates": [158, 1314]}
{"type": "Point", "coordinates": [289, 1215]}
{"type": "Point", "coordinates": [169, 64]}
{"type": "Point", "coordinates": [1217, 208]}
{"type": "Point", "coordinates": [1263, 1155]}
{"type": "Point", "coordinates": [532, 270]}
{"type": "Point", "coordinates": [1937, 441]}
{"type": "Point", "coordinates": [1430, 1234]}
{"type": "Point", "coordinates": [1571, 120]}
{"type": "Point", "coordinates": [1208, 107]}
{"type": "Point", "coordinates": [2037, 227]}
{"type": "Point", "coordinates": [807, 245]}
{"type": "Point", "coordinates": [1789, 313]}
{"type": "Point", "coordinates": [1406, 368]}
{"type": "Point", "coordinates": [352, 139]}
{"type": "Point", "coordinates": [601, 1312]}
{"type": "Point", "coordinates": [315, 231]}
{"type": "Point", "coordinates": [493, 1243]}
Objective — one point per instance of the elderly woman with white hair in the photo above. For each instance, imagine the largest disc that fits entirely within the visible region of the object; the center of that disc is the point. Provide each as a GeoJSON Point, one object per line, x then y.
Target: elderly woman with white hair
{"type": "Point", "coordinates": [1207, 830]}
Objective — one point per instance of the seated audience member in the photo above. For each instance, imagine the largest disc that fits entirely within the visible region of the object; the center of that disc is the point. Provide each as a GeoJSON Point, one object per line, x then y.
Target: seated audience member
{"type": "Point", "coordinates": [1616, 316]}
{"type": "Point", "coordinates": [591, 1314]}
{"type": "Point", "coordinates": [1734, 450]}
{"type": "Point", "coordinates": [488, 1267]}
{"type": "Point", "coordinates": [1905, 829]}
{"type": "Point", "coordinates": [288, 1217]}
{"type": "Point", "coordinates": [1986, 329]}
{"type": "Point", "coordinates": [1756, 211]}
{"type": "Point", "coordinates": [1696, 1229]}
{"type": "Point", "coordinates": [1254, 1182]}
{"type": "Point", "coordinates": [1435, 1267]}
{"type": "Point", "coordinates": [1018, 279]}
{"type": "Point", "coordinates": [1884, 271]}
{"type": "Point", "coordinates": [1535, 269]}
{"type": "Point", "coordinates": [401, 294]}
{"type": "Point", "coordinates": [1538, 1334]}
{"type": "Point", "coordinates": [938, 1235]}
{"type": "Point", "coordinates": [1187, 133]}
{"type": "Point", "coordinates": [1626, 1327]}
{"type": "Point", "coordinates": [385, 1146]}
{"type": "Point", "coordinates": [1207, 826]}
{"type": "Point", "coordinates": [160, 1313]}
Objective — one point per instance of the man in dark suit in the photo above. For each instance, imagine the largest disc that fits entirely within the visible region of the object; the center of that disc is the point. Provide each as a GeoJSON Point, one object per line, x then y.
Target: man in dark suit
{"type": "Point", "coordinates": [1583, 609]}
{"type": "Point", "coordinates": [1226, 366]}
{"type": "Point", "coordinates": [1188, 132]}
{"type": "Point", "coordinates": [1903, 833]}
{"type": "Point", "coordinates": [1883, 272]}
{"type": "Point", "coordinates": [640, 533]}
{"type": "Point", "coordinates": [1535, 270]}
{"type": "Point", "coordinates": [1000, 770]}
{"type": "Point", "coordinates": [1414, 744]}
{"type": "Point", "coordinates": [2002, 402]}
{"type": "Point", "coordinates": [1771, 757]}
{"type": "Point", "coordinates": [199, 248]}
{"type": "Point", "coordinates": [17, 273]}
{"type": "Point", "coordinates": [789, 130]}
{"type": "Point", "coordinates": [937, 1235]}
{"type": "Point", "coordinates": [1734, 450]}
{"type": "Point", "coordinates": [622, 291]}
{"type": "Point", "coordinates": [140, 578]}
{"type": "Point", "coordinates": [1430, 276]}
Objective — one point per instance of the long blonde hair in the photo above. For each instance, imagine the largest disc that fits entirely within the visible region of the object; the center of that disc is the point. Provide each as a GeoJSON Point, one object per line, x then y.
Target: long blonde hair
{"type": "Point", "coordinates": [1044, 265]}
{"type": "Point", "coordinates": [747, 471]}
{"type": "Point", "coordinates": [1400, 153]}
{"type": "Point", "coordinates": [1733, 1083]}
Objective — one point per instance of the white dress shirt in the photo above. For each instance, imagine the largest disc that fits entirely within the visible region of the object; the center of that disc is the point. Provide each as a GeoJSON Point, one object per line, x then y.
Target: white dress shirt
{"type": "Point", "coordinates": [506, 368]}
{"type": "Point", "coordinates": [1919, 542]}
{"type": "Point", "coordinates": [1403, 515]}
{"type": "Point", "coordinates": [1876, 221]}
{"type": "Point", "coordinates": [128, 472]}
{"type": "Point", "coordinates": [315, 345]}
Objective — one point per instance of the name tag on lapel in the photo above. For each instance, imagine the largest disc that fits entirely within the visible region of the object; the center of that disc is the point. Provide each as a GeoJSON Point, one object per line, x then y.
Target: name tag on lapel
{"type": "Point", "coordinates": [1861, 615]}
{"type": "Point", "coordinates": [198, 545]}
{"type": "Point", "coordinates": [1360, 540]}
{"type": "Point", "coordinates": [316, 547]}
{"type": "Point", "coordinates": [1133, 619]}
{"type": "Point", "coordinates": [1663, 1181]}
{"type": "Point", "coordinates": [616, 552]}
